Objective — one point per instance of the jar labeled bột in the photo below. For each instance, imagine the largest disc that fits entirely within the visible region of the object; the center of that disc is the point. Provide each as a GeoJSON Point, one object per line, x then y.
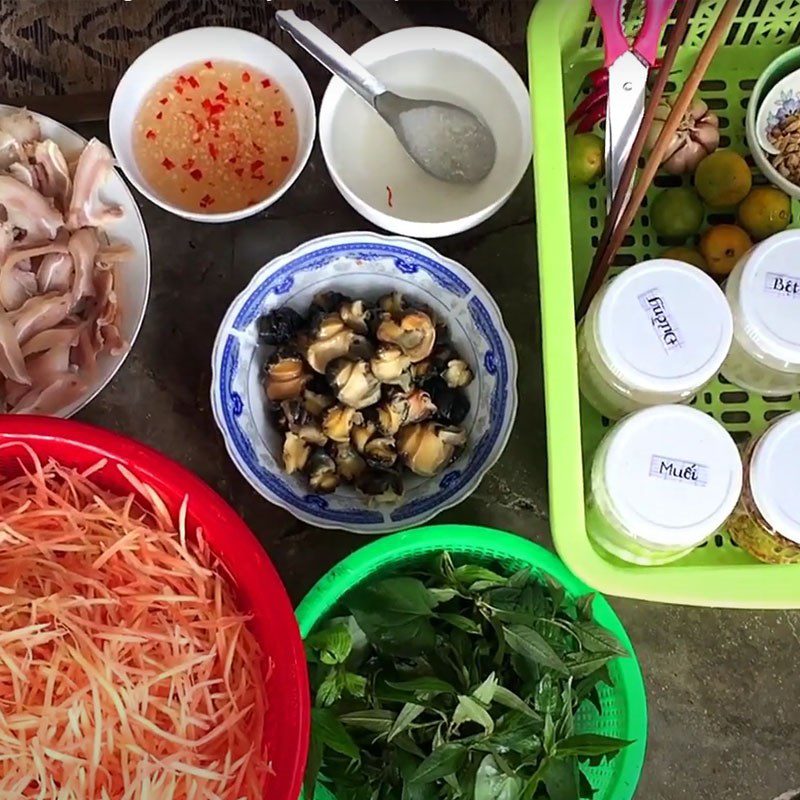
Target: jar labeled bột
{"type": "Point", "coordinates": [663, 480]}
{"type": "Point", "coordinates": [656, 333]}
{"type": "Point", "coordinates": [763, 291]}
{"type": "Point", "coordinates": [766, 521]}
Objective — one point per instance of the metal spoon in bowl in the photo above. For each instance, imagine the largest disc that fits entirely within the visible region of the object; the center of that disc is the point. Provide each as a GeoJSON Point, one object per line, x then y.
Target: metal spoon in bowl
{"type": "Point", "coordinates": [447, 141]}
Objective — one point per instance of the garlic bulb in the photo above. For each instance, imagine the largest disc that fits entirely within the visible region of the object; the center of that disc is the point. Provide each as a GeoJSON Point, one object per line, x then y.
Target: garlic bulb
{"type": "Point", "coordinates": [697, 136]}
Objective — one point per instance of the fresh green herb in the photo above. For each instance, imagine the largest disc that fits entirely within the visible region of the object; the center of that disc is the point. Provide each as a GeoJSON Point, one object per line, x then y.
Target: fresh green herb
{"type": "Point", "coordinates": [457, 682]}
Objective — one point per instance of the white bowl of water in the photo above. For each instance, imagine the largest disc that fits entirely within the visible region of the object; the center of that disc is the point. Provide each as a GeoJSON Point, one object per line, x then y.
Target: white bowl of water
{"type": "Point", "coordinates": [369, 165]}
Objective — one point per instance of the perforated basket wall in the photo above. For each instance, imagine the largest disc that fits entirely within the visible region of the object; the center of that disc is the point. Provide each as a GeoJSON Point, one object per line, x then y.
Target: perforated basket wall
{"type": "Point", "coordinates": [564, 43]}
{"type": "Point", "coordinates": [624, 708]}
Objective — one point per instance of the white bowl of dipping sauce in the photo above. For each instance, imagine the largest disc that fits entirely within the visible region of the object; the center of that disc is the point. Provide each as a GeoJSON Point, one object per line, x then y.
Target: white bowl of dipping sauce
{"type": "Point", "coordinates": [273, 81]}
{"type": "Point", "coordinates": [369, 165]}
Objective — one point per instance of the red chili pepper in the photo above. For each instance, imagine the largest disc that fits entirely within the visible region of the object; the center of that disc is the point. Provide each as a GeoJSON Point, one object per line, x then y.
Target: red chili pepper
{"type": "Point", "coordinates": [196, 174]}
{"type": "Point", "coordinates": [389, 196]}
{"type": "Point", "coordinates": [591, 119]}
{"type": "Point", "coordinates": [206, 103]}
{"type": "Point", "coordinates": [232, 160]}
{"type": "Point", "coordinates": [279, 123]}
{"type": "Point", "coordinates": [164, 101]}
{"type": "Point", "coordinates": [222, 97]}
{"type": "Point", "coordinates": [239, 171]}
{"type": "Point", "coordinates": [284, 158]}
{"type": "Point", "coordinates": [246, 77]}
{"type": "Point", "coordinates": [188, 164]}
{"type": "Point", "coordinates": [266, 83]}
{"type": "Point", "coordinates": [256, 165]}
{"type": "Point", "coordinates": [178, 88]}
{"type": "Point", "coordinates": [193, 82]}
{"type": "Point", "coordinates": [159, 115]}
{"type": "Point", "coordinates": [209, 65]}
{"type": "Point", "coordinates": [151, 134]}
{"type": "Point", "coordinates": [257, 147]}
{"type": "Point", "coordinates": [167, 164]}
{"type": "Point", "coordinates": [222, 86]}
{"type": "Point", "coordinates": [212, 150]}
{"type": "Point", "coordinates": [217, 108]}
{"type": "Point", "coordinates": [182, 79]}
{"type": "Point", "coordinates": [206, 200]}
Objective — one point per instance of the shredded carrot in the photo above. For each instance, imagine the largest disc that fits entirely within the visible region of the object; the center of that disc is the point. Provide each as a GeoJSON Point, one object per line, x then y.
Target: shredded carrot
{"type": "Point", "coordinates": [126, 668]}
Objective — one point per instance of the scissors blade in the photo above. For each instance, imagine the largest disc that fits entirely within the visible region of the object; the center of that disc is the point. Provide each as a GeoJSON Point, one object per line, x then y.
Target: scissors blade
{"type": "Point", "coordinates": [627, 82]}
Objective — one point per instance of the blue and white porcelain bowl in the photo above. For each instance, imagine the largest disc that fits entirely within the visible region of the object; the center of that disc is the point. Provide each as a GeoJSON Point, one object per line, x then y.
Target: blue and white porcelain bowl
{"type": "Point", "coordinates": [364, 265]}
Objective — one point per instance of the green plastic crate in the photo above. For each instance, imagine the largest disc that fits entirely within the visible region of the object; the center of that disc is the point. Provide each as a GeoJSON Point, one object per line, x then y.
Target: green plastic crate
{"type": "Point", "coordinates": [624, 706]}
{"type": "Point", "coordinates": [564, 43]}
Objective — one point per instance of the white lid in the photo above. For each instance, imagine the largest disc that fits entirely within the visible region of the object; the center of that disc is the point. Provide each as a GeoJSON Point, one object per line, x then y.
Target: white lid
{"type": "Point", "coordinates": [774, 470]}
{"type": "Point", "coordinates": [673, 475]}
{"type": "Point", "coordinates": [769, 296]}
{"type": "Point", "coordinates": [663, 325]}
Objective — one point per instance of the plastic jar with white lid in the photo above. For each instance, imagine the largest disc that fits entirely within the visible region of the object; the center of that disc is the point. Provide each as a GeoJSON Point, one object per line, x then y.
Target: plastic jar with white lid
{"type": "Point", "coordinates": [766, 522]}
{"type": "Point", "coordinates": [656, 333]}
{"type": "Point", "coordinates": [663, 480]}
{"type": "Point", "coordinates": [764, 295]}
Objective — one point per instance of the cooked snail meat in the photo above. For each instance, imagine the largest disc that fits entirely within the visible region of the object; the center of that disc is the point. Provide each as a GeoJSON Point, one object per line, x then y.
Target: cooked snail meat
{"type": "Point", "coordinates": [279, 326]}
{"type": "Point", "coordinates": [361, 434]}
{"type": "Point", "coordinates": [389, 363]}
{"type": "Point", "coordinates": [392, 304]}
{"type": "Point", "coordinates": [420, 406]}
{"type": "Point", "coordinates": [457, 373]}
{"type": "Point", "coordinates": [381, 485]}
{"type": "Point", "coordinates": [393, 413]}
{"type": "Point", "coordinates": [355, 315]}
{"type": "Point", "coordinates": [295, 453]}
{"type": "Point", "coordinates": [381, 451]}
{"type": "Point", "coordinates": [322, 474]}
{"type": "Point", "coordinates": [328, 302]}
{"type": "Point", "coordinates": [315, 403]}
{"type": "Point", "coordinates": [353, 383]}
{"type": "Point", "coordinates": [348, 462]}
{"type": "Point", "coordinates": [413, 332]}
{"type": "Point", "coordinates": [426, 448]}
{"type": "Point", "coordinates": [338, 422]}
{"type": "Point", "coordinates": [286, 378]}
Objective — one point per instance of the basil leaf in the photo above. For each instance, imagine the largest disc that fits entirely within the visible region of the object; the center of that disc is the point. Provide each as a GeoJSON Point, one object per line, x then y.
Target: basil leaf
{"type": "Point", "coordinates": [520, 578]}
{"type": "Point", "coordinates": [313, 763]}
{"type": "Point", "coordinates": [334, 644]}
{"type": "Point", "coordinates": [377, 720]}
{"type": "Point", "coordinates": [493, 784]}
{"type": "Point", "coordinates": [332, 733]}
{"type": "Point", "coordinates": [560, 776]}
{"type": "Point", "coordinates": [330, 690]}
{"type": "Point", "coordinates": [426, 685]}
{"type": "Point", "coordinates": [597, 639]}
{"type": "Point", "coordinates": [470, 573]}
{"type": "Point", "coordinates": [590, 744]}
{"type": "Point", "coordinates": [545, 697]}
{"type": "Point", "coordinates": [583, 664]}
{"type": "Point", "coordinates": [505, 697]}
{"type": "Point", "coordinates": [583, 606]}
{"type": "Point", "coordinates": [445, 760]}
{"type": "Point", "coordinates": [486, 691]}
{"type": "Point", "coordinates": [462, 623]}
{"type": "Point", "coordinates": [469, 710]}
{"type": "Point", "coordinates": [401, 596]}
{"type": "Point", "coordinates": [355, 685]}
{"type": "Point", "coordinates": [517, 733]}
{"type": "Point", "coordinates": [532, 646]}
{"type": "Point", "coordinates": [443, 595]}
{"type": "Point", "coordinates": [408, 713]}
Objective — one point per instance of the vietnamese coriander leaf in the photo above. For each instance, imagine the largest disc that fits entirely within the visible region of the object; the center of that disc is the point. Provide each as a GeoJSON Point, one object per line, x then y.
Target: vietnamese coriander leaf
{"type": "Point", "coordinates": [458, 681]}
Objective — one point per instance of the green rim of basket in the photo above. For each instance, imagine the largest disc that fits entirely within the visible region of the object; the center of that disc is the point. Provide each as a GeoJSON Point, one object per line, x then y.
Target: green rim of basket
{"type": "Point", "coordinates": [387, 554]}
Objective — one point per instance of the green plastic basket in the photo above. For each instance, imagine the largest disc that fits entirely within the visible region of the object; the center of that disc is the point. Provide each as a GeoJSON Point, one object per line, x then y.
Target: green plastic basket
{"type": "Point", "coordinates": [564, 43]}
{"type": "Point", "coordinates": [624, 707]}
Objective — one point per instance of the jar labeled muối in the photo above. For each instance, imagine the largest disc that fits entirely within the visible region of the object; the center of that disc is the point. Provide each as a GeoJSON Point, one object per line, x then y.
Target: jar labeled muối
{"type": "Point", "coordinates": [656, 333]}
{"type": "Point", "coordinates": [766, 521]}
{"type": "Point", "coordinates": [662, 481]}
{"type": "Point", "coordinates": [764, 295]}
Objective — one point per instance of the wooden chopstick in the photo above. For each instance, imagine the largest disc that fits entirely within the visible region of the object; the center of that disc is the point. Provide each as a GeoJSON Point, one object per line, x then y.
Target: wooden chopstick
{"type": "Point", "coordinates": [603, 258]}
{"type": "Point", "coordinates": [676, 35]}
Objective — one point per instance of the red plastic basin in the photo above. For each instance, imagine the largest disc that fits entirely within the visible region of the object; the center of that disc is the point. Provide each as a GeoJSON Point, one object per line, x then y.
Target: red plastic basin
{"type": "Point", "coordinates": [260, 589]}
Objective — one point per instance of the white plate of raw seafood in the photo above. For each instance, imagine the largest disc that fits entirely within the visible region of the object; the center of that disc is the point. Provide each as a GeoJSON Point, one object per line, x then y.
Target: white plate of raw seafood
{"type": "Point", "coordinates": [75, 267]}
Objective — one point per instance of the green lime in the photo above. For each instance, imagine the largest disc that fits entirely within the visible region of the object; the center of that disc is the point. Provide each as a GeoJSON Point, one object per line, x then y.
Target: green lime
{"type": "Point", "coordinates": [584, 158]}
{"type": "Point", "coordinates": [766, 210]}
{"type": "Point", "coordinates": [677, 214]}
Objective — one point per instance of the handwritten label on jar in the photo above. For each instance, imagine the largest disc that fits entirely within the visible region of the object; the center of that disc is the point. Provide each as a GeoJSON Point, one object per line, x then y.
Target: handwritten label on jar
{"type": "Point", "coordinates": [660, 318]}
{"type": "Point", "coordinates": [676, 469]}
{"type": "Point", "coordinates": [783, 285]}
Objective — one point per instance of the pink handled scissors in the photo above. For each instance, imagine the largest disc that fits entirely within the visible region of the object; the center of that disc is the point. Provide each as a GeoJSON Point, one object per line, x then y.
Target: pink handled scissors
{"type": "Point", "coordinates": [627, 65]}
